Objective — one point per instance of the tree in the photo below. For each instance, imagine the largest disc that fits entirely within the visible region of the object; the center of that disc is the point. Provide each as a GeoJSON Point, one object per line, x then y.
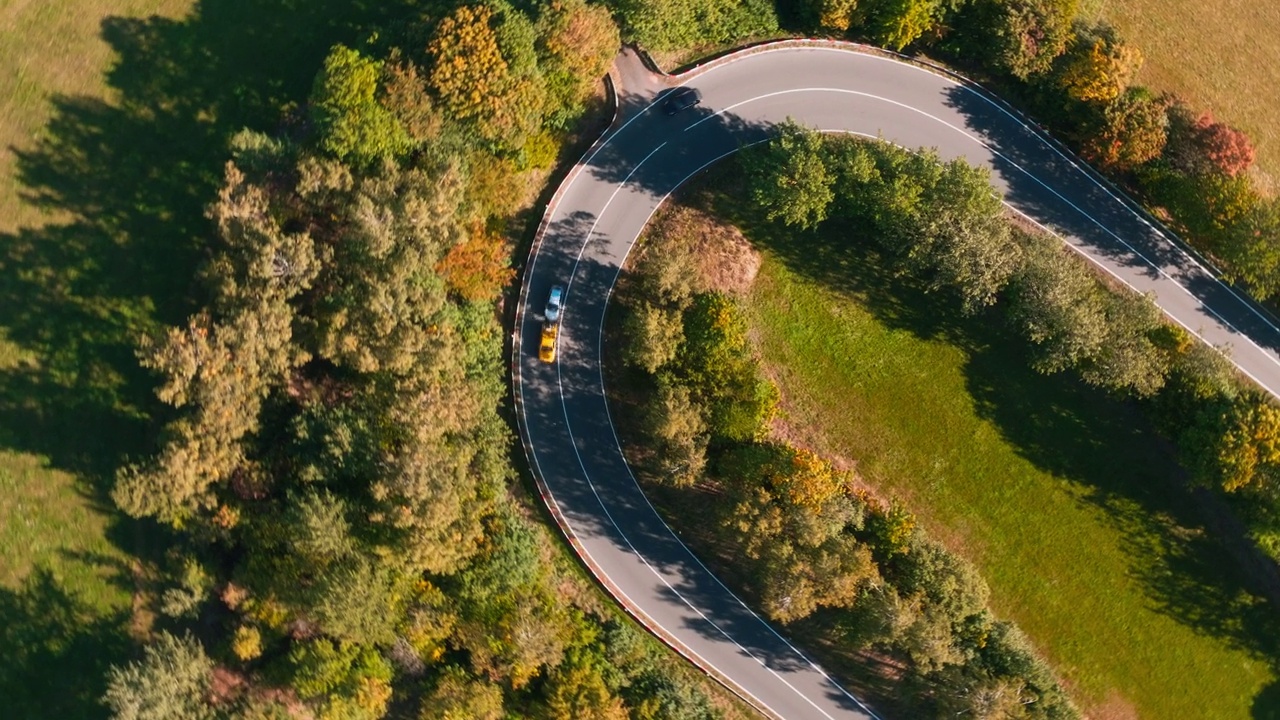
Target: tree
{"type": "Point", "coordinates": [476, 83]}
{"type": "Point", "coordinates": [1200, 145]}
{"type": "Point", "coordinates": [510, 621]}
{"type": "Point", "coordinates": [680, 434]}
{"type": "Point", "coordinates": [962, 236]}
{"type": "Point", "coordinates": [950, 585]}
{"type": "Point", "coordinates": [346, 680]}
{"type": "Point", "coordinates": [577, 44]}
{"type": "Point", "coordinates": [1099, 66]}
{"type": "Point", "coordinates": [479, 267]}
{"type": "Point", "coordinates": [898, 23]}
{"type": "Point", "coordinates": [577, 689]}
{"type": "Point", "coordinates": [715, 363]}
{"type": "Point", "coordinates": [222, 365]}
{"type": "Point", "coordinates": [1057, 306]}
{"type": "Point", "coordinates": [458, 696]}
{"type": "Point", "coordinates": [1025, 36]}
{"type": "Point", "coordinates": [1130, 131]}
{"type": "Point", "coordinates": [653, 335]}
{"type": "Point", "coordinates": [353, 125]}
{"type": "Point", "coordinates": [802, 561]}
{"type": "Point", "coordinates": [664, 25]}
{"type": "Point", "coordinates": [406, 97]}
{"type": "Point", "coordinates": [384, 293]}
{"type": "Point", "coordinates": [1129, 360]}
{"type": "Point", "coordinates": [961, 691]}
{"type": "Point", "coordinates": [835, 14]}
{"type": "Point", "coordinates": [1234, 442]}
{"type": "Point", "coordinates": [468, 70]}
{"type": "Point", "coordinates": [1245, 232]}
{"type": "Point", "coordinates": [789, 177]}
{"type": "Point", "coordinates": [171, 682]}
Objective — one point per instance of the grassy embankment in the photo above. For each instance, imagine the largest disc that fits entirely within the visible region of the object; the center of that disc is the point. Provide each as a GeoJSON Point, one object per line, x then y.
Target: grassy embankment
{"type": "Point", "coordinates": [1065, 498]}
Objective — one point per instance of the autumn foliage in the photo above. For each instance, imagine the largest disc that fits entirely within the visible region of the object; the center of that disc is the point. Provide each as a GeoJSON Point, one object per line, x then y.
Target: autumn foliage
{"type": "Point", "coordinates": [478, 267]}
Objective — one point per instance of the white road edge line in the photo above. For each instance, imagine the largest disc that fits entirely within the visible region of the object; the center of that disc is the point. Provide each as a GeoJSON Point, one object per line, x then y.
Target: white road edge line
{"type": "Point", "coordinates": [1034, 132]}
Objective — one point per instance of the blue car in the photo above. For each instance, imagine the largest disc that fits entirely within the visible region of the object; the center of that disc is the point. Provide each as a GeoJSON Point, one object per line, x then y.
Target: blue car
{"type": "Point", "coordinates": [552, 313]}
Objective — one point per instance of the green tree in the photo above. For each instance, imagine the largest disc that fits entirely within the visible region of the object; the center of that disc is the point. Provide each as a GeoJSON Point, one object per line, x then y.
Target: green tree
{"type": "Point", "coordinates": [665, 25]}
{"type": "Point", "coordinates": [1129, 360]}
{"type": "Point", "coordinates": [653, 335]}
{"type": "Point", "coordinates": [458, 696]}
{"type": "Point", "coordinates": [962, 236]}
{"type": "Point", "coordinates": [384, 291]}
{"type": "Point", "coordinates": [353, 125]}
{"type": "Point", "coordinates": [171, 682]}
{"type": "Point", "coordinates": [714, 362]}
{"type": "Point", "coordinates": [577, 689]}
{"type": "Point", "coordinates": [1020, 37]}
{"type": "Point", "coordinates": [789, 177]}
{"type": "Point", "coordinates": [222, 365]}
{"type": "Point", "coordinates": [679, 432]}
{"type": "Point", "coordinates": [577, 43]}
{"type": "Point", "coordinates": [1234, 442]}
{"type": "Point", "coordinates": [898, 23]}
{"type": "Point", "coordinates": [1057, 306]}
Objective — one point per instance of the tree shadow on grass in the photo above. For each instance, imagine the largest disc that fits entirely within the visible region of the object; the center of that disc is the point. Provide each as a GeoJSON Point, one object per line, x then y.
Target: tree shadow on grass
{"type": "Point", "coordinates": [124, 182]}
{"type": "Point", "coordinates": [56, 651]}
{"type": "Point", "coordinates": [1177, 549]}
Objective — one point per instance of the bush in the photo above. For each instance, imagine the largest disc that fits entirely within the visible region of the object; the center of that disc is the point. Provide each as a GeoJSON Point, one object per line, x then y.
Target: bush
{"type": "Point", "coordinates": [669, 25]}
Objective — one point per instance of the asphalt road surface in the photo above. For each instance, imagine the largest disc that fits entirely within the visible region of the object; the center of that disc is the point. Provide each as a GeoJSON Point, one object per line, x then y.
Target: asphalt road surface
{"type": "Point", "coordinates": [603, 207]}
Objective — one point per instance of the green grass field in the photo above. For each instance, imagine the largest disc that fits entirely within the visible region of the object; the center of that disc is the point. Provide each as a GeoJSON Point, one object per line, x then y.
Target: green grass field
{"type": "Point", "coordinates": [1064, 498]}
{"type": "Point", "coordinates": [66, 565]}
{"type": "Point", "coordinates": [1221, 56]}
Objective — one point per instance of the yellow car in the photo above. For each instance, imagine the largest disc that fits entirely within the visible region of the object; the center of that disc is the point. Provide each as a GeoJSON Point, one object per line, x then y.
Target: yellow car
{"type": "Point", "coordinates": [547, 350]}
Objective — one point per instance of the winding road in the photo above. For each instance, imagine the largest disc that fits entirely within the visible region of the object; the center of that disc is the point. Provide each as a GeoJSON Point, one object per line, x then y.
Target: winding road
{"type": "Point", "coordinates": [609, 197]}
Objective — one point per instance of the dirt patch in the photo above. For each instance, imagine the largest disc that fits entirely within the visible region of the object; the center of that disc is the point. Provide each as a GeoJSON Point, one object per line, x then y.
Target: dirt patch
{"type": "Point", "coordinates": [1114, 707]}
{"type": "Point", "coordinates": [721, 256]}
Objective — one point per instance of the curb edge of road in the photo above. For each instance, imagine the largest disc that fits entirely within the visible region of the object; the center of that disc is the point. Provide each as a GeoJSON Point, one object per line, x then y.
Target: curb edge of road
{"type": "Point", "coordinates": [548, 499]}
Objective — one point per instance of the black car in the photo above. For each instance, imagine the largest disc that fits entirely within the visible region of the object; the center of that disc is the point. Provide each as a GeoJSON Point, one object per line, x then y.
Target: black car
{"type": "Point", "coordinates": [681, 99]}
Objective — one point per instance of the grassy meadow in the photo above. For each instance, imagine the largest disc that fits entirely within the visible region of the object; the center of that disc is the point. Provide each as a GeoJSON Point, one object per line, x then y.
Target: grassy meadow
{"type": "Point", "coordinates": [67, 572]}
{"type": "Point", "coordinates": [1221, 56]}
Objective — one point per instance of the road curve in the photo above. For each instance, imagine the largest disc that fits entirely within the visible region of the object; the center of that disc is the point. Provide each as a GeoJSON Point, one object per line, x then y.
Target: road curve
{"type": "Point", "coordinates": [607, 200]}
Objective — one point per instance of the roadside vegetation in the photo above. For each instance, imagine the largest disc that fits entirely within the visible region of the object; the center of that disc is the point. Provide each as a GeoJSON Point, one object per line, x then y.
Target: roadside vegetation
{"type": "Point", "coordinates": [982, 376]}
